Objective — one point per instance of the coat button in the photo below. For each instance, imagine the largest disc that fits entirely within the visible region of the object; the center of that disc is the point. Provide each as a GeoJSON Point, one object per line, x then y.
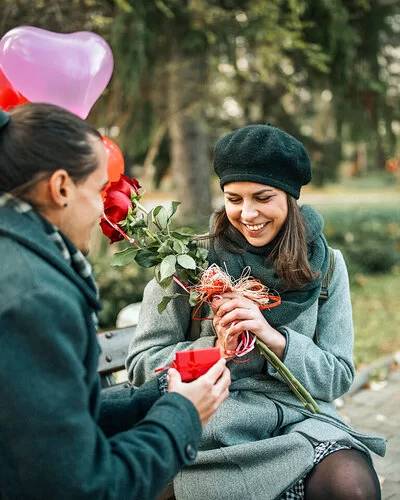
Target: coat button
{"type": "Point", "coordinates": [190, 452]}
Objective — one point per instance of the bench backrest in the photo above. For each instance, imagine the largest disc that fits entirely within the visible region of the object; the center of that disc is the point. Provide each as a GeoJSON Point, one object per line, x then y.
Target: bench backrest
{"type": "Point", "coordinates": [114, 350]}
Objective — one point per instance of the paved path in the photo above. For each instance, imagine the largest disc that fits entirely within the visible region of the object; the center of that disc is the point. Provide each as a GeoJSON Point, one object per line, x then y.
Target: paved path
{"type": "Point", "coordinates": [376, 410]}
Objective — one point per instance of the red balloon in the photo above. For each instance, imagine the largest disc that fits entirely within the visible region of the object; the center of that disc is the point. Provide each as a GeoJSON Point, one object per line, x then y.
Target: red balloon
{"type": "Point", "coordinates": [9, 97]}
{"type": "Point", "coordinates": [115, 161]}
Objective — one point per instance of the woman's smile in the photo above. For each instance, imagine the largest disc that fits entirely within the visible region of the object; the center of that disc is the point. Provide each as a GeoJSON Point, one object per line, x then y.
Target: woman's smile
{"type": "Point", "coordinates": [255, 228]}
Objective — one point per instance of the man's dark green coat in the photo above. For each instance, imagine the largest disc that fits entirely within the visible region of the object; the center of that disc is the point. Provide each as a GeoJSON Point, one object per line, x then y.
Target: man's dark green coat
{"type": "Point", "coordinates": [59, 439]}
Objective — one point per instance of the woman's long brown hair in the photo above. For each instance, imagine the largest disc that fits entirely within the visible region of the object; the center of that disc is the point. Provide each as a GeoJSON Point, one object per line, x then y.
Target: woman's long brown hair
{"type": "Point", "coordinates": [289, 252]}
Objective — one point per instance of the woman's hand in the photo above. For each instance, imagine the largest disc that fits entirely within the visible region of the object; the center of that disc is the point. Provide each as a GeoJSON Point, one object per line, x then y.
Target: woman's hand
{"type": "Point", "coordinates": [225, 341]}
{"type": "Point", "coordinates": [207, 392]}
{"type": "Point", "coordinates": [234, 314]}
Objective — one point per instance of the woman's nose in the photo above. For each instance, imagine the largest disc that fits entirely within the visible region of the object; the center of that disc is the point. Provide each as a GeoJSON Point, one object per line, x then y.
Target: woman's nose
{"type": "Point", "coordinates": [249, 211]}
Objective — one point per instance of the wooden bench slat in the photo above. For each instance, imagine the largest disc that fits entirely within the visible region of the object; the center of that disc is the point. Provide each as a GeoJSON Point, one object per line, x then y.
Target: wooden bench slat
{"type": "Point", "coordinates": [114, 345]}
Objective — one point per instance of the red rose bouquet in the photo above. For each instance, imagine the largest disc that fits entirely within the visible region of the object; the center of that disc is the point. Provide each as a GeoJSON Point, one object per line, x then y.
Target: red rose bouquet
{"type": "Point", "coordinates": [176, 255]}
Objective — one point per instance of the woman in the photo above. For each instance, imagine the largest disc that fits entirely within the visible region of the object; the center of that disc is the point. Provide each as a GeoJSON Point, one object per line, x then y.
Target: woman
{"type": "Point", "coordinates": [59, 438]}
{"type": "Point", "coordinates": [262, 443]}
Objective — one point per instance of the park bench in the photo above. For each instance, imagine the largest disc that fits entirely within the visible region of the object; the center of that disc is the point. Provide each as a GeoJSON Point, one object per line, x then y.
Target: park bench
{"type": "Point", "coordinates": [114, 350]}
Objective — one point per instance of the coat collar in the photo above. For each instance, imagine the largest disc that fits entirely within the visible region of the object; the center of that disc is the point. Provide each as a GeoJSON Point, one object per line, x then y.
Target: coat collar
{"type": "Point", "coordinates": [31, 235]}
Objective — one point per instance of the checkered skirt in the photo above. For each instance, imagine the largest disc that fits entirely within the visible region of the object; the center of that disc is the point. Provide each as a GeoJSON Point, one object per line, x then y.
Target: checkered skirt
{"type": "Point", "coordinates": [321, 451]}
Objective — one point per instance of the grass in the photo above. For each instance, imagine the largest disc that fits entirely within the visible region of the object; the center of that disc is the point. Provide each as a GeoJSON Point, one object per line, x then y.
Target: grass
{"type": "Point", "coordinates": [367, 182]}
{"type": "Point", "coordinates": [376, 313]}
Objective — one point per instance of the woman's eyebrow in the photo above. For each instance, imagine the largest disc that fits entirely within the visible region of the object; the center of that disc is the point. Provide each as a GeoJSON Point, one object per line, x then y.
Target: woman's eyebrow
{"type": "Point", "coordinates": [264, 191]}
{"type": "Point", "coordinates": [255, 194]}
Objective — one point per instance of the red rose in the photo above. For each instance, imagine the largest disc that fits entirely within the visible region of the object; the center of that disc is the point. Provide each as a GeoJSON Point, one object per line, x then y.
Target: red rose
{"type": "Point", "coordinates": [110, 232]}
{"type": "Point", "coordinates": [116, 207]}
{"type": "Point", "coordinates": [124, 185]}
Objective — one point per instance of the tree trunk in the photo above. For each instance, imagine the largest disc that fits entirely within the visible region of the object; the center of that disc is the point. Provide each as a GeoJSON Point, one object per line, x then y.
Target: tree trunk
{"type": "Point", "coordinates": [190, 163]}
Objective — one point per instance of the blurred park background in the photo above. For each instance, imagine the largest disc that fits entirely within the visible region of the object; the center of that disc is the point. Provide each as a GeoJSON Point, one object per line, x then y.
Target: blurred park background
{"type": "Point", "coordinates": [188, 71]}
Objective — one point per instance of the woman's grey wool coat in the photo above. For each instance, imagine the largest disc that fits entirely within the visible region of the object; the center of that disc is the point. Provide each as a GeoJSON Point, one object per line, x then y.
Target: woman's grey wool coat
{"type": "Point", "coordinates": [261, 440]}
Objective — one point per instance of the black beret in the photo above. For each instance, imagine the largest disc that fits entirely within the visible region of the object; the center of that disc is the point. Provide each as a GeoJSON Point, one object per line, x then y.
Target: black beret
{"type": "Point", "coordinates": [263, 154]}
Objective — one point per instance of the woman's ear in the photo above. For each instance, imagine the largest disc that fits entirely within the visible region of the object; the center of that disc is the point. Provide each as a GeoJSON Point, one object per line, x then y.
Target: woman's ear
{"type": "Point", "coordinates": [60, 187]}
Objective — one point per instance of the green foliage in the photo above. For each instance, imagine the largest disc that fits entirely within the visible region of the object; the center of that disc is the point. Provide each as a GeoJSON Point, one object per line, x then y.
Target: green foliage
{"type": "Point", "coordinates": [174, 253]}
{"type": "Point", "coordinates": [369, 238]}
{"type": "Point", "coordinates": [267, 35]}
{"type": "Point", "coordinates": [376, 315]}
{"type": "Point", "coordinates": [357, 36]}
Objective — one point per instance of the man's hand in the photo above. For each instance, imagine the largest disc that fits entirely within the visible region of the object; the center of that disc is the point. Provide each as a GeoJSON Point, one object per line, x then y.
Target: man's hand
{"type": "Point", "coordinates": [207, 392]}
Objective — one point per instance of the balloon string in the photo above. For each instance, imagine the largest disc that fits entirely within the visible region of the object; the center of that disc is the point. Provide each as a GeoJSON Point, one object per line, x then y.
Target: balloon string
{"type": "Point", "coordinates": [181, 284]}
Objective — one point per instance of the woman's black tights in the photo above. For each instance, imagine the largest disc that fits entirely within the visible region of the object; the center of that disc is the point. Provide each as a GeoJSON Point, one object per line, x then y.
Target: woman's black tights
{"type": "Point", "coordinates": [344, 475]}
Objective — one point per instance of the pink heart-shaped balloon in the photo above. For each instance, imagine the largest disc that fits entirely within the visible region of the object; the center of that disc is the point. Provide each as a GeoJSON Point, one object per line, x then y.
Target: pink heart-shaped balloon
{"type": "Point", "coordinates": [70, 70]}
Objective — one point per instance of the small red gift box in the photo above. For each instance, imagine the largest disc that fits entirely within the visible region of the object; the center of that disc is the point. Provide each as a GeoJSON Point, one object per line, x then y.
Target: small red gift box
{"type": "Point", "coordinates": [193, 364]}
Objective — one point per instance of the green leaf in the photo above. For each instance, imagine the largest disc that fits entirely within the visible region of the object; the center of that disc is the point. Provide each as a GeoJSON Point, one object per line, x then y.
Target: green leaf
{"type": "Point", "coordinates": [146, 258]}
{"type": "Point", "coordinates": [178, 246]}
{"type": "Point", "coordinates": [138, 223]}
{"type": "Point", "coordinates": [186, 262]}
{"type": "Point", "coordinates": [165, 248]}
{"type": "Point", "coordinates": [202, 253]}
{"type": "Point", "coordinates": [124, 257]}
{"type": "Point", "coordinates": [166, 283]}
{"type": "Point", "coordinates": [193, 298]}
{"type": "Point", "coordinates": [167, 267]}
{"type": "Point", "coordinates": [166, 300]}
{"type": "Point", "coordinates": [187, 276]}
{"type": "Point", "coordinates": [172, 208]}
{"type": "Point", "coordinates": [184, 231]}
{"type": "Point", "coordinates": [161, 216]}
{"type": "Point", "coordinates": [157, 273]}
